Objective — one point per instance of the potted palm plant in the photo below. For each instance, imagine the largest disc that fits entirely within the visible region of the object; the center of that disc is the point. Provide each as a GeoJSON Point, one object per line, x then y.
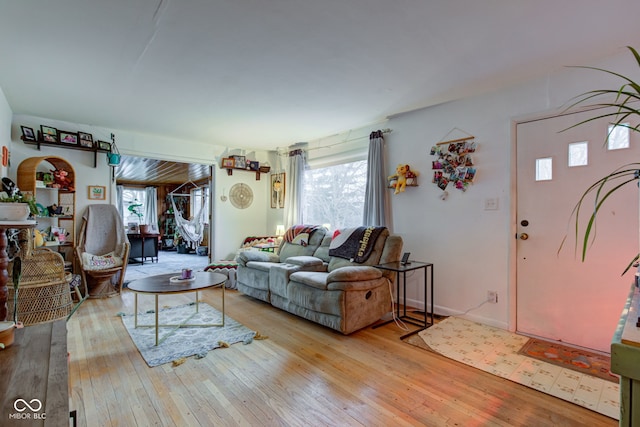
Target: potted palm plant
{"type": "Point", "coordinates": [622, 106]}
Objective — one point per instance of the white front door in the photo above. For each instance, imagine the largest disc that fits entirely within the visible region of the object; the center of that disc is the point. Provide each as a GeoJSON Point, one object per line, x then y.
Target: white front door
{"type": "Point", "coordinates": [558, 296]}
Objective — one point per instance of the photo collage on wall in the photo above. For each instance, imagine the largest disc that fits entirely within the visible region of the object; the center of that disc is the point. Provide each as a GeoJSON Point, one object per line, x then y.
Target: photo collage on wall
{"type": "Point", "coordinates": [454, 164]}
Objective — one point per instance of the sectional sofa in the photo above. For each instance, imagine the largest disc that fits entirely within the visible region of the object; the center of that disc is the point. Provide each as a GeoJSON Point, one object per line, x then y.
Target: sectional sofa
{"type": "Point", "coordinates": [342, 293]}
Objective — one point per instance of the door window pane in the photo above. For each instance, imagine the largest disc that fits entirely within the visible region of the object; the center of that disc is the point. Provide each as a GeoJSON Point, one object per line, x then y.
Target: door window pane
{"type": "Point", "coordinates": [543, 169]}
{"type": "Point", "coordinates": [578, 154]}
{"type": "Point", "coordinates": [618, 136]}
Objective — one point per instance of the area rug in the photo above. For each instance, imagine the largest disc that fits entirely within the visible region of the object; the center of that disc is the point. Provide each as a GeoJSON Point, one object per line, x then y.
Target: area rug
{"type": "Point", "coordinates": [576, 359]}
{"type": "Point", "coordinates": [496, 351]}
{"type": "Point", "coordinates": [184, 342]}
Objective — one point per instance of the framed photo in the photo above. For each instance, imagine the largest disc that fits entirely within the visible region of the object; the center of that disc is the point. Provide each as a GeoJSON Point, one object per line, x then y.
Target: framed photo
{"type": "Point", "coordinates": [70, 138]}
{"type": "Point", "coordinates": [254, 166]}
{"type": "Point", "coordinates": [228, 162]}
{"type": "Point", "coordinates": [240, 162]}
{"type": "Point", "coordinates": [97, 192]}
{"type": "Point", "coordinates": [86, 139]}
{"type": "Point", "coordinates": [277, 190]}
{"type": "Point", "coordinates": [104, 145]}
{"type": "Point", "coordinates": [49, 134]}
{"type": "Point", "coordinates": [28, 134]}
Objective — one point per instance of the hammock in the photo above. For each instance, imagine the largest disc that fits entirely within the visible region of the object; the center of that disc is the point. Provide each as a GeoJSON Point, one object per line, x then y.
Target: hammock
{"type": "Point", "coordinates": [191, 230]}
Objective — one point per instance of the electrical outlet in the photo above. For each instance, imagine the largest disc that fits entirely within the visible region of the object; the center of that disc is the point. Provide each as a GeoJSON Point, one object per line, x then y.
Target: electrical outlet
{"type": "Point", "coordinates": [491, 204]}
{"type": "Point", "coordinates": [492, 297]}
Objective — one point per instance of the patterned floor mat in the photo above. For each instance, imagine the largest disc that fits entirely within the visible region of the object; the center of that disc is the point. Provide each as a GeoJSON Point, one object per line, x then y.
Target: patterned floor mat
{"type": "Point", "coordinates": [496, 351]}
{"type": "Point", "coordinates": [579, 360]}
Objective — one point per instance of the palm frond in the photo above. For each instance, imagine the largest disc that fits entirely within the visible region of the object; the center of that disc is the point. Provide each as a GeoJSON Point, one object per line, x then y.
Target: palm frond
{"type": "Point", "coordinates": [628, 173]}
{"type": "Point", "coordinates": [623, 102]}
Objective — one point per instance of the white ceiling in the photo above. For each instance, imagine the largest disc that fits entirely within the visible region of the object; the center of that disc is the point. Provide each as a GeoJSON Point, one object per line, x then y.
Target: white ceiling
{"type": "Point", "coordinates": [269, 73]}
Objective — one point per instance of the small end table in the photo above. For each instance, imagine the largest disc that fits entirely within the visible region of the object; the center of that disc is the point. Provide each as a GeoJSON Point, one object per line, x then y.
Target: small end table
{"type": "Point", "coordinates": [401, 270]}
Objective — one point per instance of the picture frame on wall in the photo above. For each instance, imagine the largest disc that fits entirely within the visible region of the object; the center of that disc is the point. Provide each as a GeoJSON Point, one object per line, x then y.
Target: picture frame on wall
{"type": "Point", "coordinates": [49, 134]}
{"type": "Point", "coordinates": [86, 139]}
{"type": "Point", "coordinates": [240, 162]}
{"type": "Point", "coordinates": [104, 145]}
{"type": "Point", "coordinates": [97, 192]}
{"type": "Point", "coordinates": [28, 134]}
{"type": "Point", "coordinates": [277, 190]}
{"type": "Point", "coordinates": [228, 162]}
{"type": "Point", "coordinates": [253, 165]}
{"type": "Point", "coordinates": [70, 138]}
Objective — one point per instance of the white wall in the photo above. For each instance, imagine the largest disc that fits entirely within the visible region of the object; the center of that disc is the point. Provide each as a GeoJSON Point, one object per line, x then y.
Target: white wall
{"type": "Point", "coordinates": [471, 248]}
{"type": "Point", "coordinates": [231, 224]}
{"type": "Point", "coordinates": [5, 127]}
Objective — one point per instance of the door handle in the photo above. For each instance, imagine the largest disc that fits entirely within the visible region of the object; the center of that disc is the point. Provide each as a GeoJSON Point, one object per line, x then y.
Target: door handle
{"type": "Point", "coordinates": [523, 236]}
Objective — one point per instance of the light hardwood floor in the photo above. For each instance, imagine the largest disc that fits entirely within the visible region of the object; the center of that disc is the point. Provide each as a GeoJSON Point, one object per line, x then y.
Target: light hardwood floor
{"type": "Point", "coordinates": [302, 375]}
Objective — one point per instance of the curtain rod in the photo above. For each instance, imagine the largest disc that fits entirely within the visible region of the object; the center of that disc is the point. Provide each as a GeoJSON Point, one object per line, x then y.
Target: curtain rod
{"type": "Point", "coordinates": [386, 130]}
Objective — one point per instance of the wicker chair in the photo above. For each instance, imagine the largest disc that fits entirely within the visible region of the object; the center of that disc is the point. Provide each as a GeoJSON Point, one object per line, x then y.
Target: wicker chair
{"type": "Point", "coordinates": [102, 251]}
{"type": "Point", "coordinates": [44, 294]}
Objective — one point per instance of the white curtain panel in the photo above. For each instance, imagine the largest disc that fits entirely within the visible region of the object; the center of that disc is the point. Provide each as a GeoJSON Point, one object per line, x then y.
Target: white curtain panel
{"type": "Point", "coordinates": [375, 199]}
{"type": "Point", "coordinates": [120, 199]}
{"type": "Point", "coordinates": [151, 206]}
{"type": "Point", "coordinates": [295, 184]}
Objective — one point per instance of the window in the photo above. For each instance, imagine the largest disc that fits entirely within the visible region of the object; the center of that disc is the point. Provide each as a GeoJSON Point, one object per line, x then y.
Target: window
{"type": "Point", "coordinates": [618, 136]}
{"type": "Point", "coordinates": [544, 168]}
{"type": "Point", "coordinates": [134, 200]}
{"type": "Point", "coordinates": [578, 154]}
{"type": "Point", "coordinates": [196, 201]}
{"type": "Point", "coordinates": [334, 195]}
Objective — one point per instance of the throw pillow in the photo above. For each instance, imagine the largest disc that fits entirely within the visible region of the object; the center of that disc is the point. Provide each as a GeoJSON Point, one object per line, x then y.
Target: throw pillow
{"type": "Point", "coordinates": [100, 262]}
{"type": "Point", "coordinates": [301, 239]}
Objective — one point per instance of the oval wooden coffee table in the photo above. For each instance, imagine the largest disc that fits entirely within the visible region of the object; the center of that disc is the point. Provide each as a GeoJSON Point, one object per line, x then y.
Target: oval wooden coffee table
{"type": "Point", "coordinates": [163, 285]}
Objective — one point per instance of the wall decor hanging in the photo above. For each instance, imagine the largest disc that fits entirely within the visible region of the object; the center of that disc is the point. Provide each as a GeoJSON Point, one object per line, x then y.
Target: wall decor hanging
{"type": "Point", "coordinates": [278, 181]}
{"type": "Point", "coordinates": [241, 196]}
{"type": "Point", "coordinates": [453, 164]}
{"type": "Point", "coordinates": [404, 177]}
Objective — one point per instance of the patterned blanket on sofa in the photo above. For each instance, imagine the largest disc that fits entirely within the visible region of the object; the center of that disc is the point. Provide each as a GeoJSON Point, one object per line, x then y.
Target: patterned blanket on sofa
{"type": "Point", "coordinates": [354, 244]}
{"type": "Point", "coordinates": [300, 234]}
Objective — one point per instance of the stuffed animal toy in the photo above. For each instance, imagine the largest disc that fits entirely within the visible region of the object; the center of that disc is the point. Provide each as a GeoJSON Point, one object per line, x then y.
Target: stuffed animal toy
{"type": "Point", "coordinates": [61, 181]}
{"type": "Point", "coordinates": [403, 172]}
{"type": "Point", "coordinates": [10, 187]}
{"type": "Point", "coordinates": [38, 238]}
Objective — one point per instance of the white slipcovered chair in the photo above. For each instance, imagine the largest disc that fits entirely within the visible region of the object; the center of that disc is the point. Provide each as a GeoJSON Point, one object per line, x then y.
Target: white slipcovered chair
{"type": "Point", "coordinates": [103, 250]}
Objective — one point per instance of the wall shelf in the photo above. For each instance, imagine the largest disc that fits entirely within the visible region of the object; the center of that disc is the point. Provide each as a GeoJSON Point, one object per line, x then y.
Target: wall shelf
{"type": "Point", "coordinates": [40, 142]}
{"type": "Point", "coordinates": [257, 172]}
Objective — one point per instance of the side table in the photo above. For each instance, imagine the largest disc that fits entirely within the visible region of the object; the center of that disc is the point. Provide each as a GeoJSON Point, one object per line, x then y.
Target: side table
{"type": "Point", "coordinates": [401, 270]}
